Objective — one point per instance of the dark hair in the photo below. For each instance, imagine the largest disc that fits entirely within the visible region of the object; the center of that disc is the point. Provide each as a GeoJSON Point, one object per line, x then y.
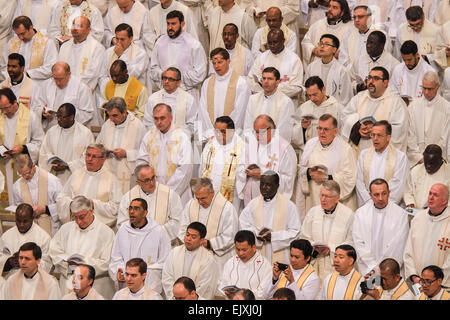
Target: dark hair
{"type": "Point", "coordinates": [223, 52]}
{"type": "Point", "coordinates": [227, 120]}
{"type": "Point", "coordinates": [198, 226]}
{"type": "Point", "coordinates": [175, 14]}
{"type": "Point", "coordinates": [22, 20]}
{"type": "Point", "coordinates": [70, 108]}
{"type": "Point", "coordinates": [8, 93]}
{"type": "Point", "coordinates": [437, 271]}
{"type": "Point", "coordinates": [187, 282]}
{"type": "Point", "coordinates": [349, 250]}
{"type": "Point", "coordinates": [137, 262]}
{"type": "Point", "coordinates": [433, 149]}
{"type": "Point", "coordinates": [231, 25]}
{"type": "Point", "coordinates": [333, 38]}
{"type": "Point", "coordinates": [274, 71]}
{"type": "Point", "coordinates": [271, 173]}
{"type": "Point", "coordinates": [409, 47]}
{"type": "Point", "coordinates": [17, 57]}
{"type": "Point", "coordinates": [26, 208]}
{"type": "Point", "coordinates": [91, 272]}
{"type": "Point", "coordinates": [327, 116]}
{"type": "Point", "coordinates": [122, 64]}
{"type": "Point", "coordinates": [380, 36]}
{"type": "Point", "coordinates": [314, 80]}
{"type": "Point", "coordinates": [346, 16]}
{"type": "Point", "coordinates": [142, 202]}
{"type": "Point", "coordinates": [284, 293]}
{"type": "Point", "coordinates": [414, 13]}
{"type": "Point", "coordinates": [383, 70]}
{"type": "Point", "coordinates": [390, 264]}
{"type": "Point", "coordinates": [364, 7]}
{"type": "Point", "coordinates": [304, 246]}
{"type": "Point", "coordinates": [246, 293]}
{"type": "Point", "coordinates": [378, 181]}
{"type": "Point", "coordinates": [245, 235]}
{"type": "Point", "coordinates": [31, 246]}
{"type": "Point", "coordinates": [387, 126]}
{"type": "Point", "coordinates": [176, 70]}
{"type": "Point", "coordinates": [124, 27]}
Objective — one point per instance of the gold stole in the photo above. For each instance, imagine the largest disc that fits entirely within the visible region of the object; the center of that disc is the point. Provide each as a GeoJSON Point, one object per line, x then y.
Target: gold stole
{"type": "Point", "coordinates": [389, 166]}
{"type": "Point", "coordinates": [198, 263]}
{"type": "Point", "coordinates": [212, 224]}
{"type": "Point", "coordinates": [265, 31]}
{"type": "Point", "coordinates": [445, 296]}
{"type": "Point", "coordinates": [229, 169]}
{"type": "Point", "coordinates": [25, 90]}
{"type": "Point", "coordinates": [181, 107]}
{"type": "Point", "coordinates": [279, 220]}
{"type": "Point", "coordinates": [301, 280]}
{"type": "Point", "coordinates": [42, 289]}
{"type": "Point", "coordinates": [148, 294]}
{"type": "Point", "coordinates": [398, 293]}
{"type": "Point", "coordinates": [161, 201]}
{"type": "Point", "coordinates": [37, 49]}
{"type": "Point", "coordinates": [83, 59]}
{"type": "Point", "coordinates": [43, 17]}
{"type": "Point", "coordinates": [86, 11]}
{"type": "Point", "coordinates": [238, 59]}
{"type": "Point", "coordinates": [351, 287]}
{"type": "Point", "coordinates": [104, 184]}
{"type": "Point", "coordinates": [131, 95]}
{"type": "Point", "coordinates": [275, 109]}
{"type": "Point", "coordinates": [229, 98]}
{"type": "Point", "coordinates": [135, 22]}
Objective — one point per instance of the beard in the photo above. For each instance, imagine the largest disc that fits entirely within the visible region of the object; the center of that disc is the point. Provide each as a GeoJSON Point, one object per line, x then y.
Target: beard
{"type": "Point", "coordinates": [175, 34]}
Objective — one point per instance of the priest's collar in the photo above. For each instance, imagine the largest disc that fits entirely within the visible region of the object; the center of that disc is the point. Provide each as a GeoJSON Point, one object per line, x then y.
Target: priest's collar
{"type": "Point", "coordinates": [134, 227]}
{"type": "Point", "coordinates": [225, 76]}
{"type": "Point", "coordinates": [432, 101]}
{"type": "Point", "coordinates": [436, 214]}
{"type": "Point", "coordinates": [269, 199]}
{"type": "Point", "coordinates": [364, 32]}
{"type": "Point", "coordinates": [122, 124]}
{"type": "Point", "coordinates": [330, 211]}
{"type": "Point", "coordinates": [15, 83]}
{"type": "Point", "coordinates": [374, 59]}
{"type": "Point", "coordinates": [31, 277]}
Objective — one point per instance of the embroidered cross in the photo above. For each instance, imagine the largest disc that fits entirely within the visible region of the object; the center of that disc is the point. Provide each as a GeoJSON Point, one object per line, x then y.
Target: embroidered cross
{"type": "Point", "coordinates": [443, 244]}
{"type": "Point", "coordinates": [271, 163]}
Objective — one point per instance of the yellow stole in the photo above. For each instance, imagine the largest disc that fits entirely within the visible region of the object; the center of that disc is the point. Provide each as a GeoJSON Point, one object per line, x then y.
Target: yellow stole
{"type": "Point", "coordinates": [238, 59]}
{"type": "Point", "coordinates": [104, 184]}
{"type": "Point", "coordinates": [21, 128]}
{"type": "Point", "coordinates": [180, 108]}
{"type": "Point", "coordinates": [229, 98]}
{"type": "Point", "coordinates": [148, 294]}
{"type": "Point", "coordinates": [161, 202]}
{"type": "Point", "coordinates": [42, 288]}
{"type": "Point", "coordinates": [389, 166]}
{"type": "Point", "coordinates": [301, 280]}
{"type": "Point", "coordinates": [445, 296]}
{"type": "Point", "coordinates": [86, 11]}
{"type": "Point", "coordinates": [25, 90]}
{"type": "Point", "coordinates": [351, 287]}
{"type": "Point", "coordinates": [217, 207]}
{"type": "Point", "coordinates": [265, 31]}
{"type": "Point", "coordinates": [398, 293]}
{"type": "Point", "coordinates": [37, 49]}
{"type": "Point", "coordinates": [131, 96]}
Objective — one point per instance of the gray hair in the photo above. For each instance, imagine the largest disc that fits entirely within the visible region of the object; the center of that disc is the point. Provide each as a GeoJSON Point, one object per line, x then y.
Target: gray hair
{"type": "Point", "coordinates": [332, 186]}
{"type": "Point", "coordinates": [80, 203]}
{"type": "Point", "coordinates": [138, 169]}
{"type": "Point", "coordinates": [116, 103]}
{"type": "Point", "coordinates": [446, 191]}
{"type": "Point", "coordinates": [98, 146]}
{"type": "Point", "coordinates": [268, 119]}
{"type": "Point", "coordinates": [198, 183]}
{"type": "Point", "coordinates": [431, 76]}
{"type": "Point", "coordinates": [23, 160]}
{"type": "Point", "coordinates": [160, 105]}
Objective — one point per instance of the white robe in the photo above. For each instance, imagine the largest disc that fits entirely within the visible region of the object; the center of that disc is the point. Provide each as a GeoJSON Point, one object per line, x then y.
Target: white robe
{"type": "Point", "coordinates": [379, 234]}
{"type": "Point", "coordinates": [249, 60]}
{"type": "Point", "coordinates": [446, 85]}
{"type": "Point", "coordinates": [292, 43]}
{"type": "Point", "coordinates": [340, 287]}
{"type": "Point", "coordinates": [136, 295]}
{"type": "Point", "coordinates": [149, 243]}
{"type": "Point", "coordinates": [7, 14]}
{"type": "Point", "coordinates": [442, 13]}
{"type": "Point", "coordinates": [16, 88]}
{"type": "Point", "coordinates": [39, 11]}
{"type": "Point", "coordinates": [442, 42]}
{"type": "Point", "coordinates": [92, 295]}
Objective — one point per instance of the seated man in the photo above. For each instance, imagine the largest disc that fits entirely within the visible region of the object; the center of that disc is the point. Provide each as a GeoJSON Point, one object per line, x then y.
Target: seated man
{"type": "Point", "coordinates": [431, 281]}
{"type": "Point", "coordinates": [83, 282]}
{"type": "Point", "coordinates": [299, 276]}
{"type": "Point", "coordinates": [135, 275]}
{"type": "Point", "coordinates": [284, 294]}
{"type": "Point", "coordinates": [184, 289]}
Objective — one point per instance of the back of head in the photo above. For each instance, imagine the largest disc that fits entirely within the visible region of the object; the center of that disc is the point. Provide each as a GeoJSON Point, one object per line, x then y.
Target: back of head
{"type": "Point", "coordinates": [283, 294]}
{"type": "Point", "coordinates": [246, 294]}
{"type": "Point", "coordinates": [390, 264]}
{"type": "Point", "coordinates": [198, 183]}
{"type": "Point", "coordinates": [414, 13]}
{"type": "Point", "coordinates": [22, 20]}
{"type": "Point", "coordinates": [314, 80]}
{"type": "Point", "coordinates": [187, 282]}
{"type": "Point", "coordinates": [23, 160]}
{"type": "Point", "coordinates": [120, 64]}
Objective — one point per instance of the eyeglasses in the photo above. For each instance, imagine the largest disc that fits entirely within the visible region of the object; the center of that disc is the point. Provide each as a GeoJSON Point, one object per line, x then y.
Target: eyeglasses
{"type": "Point", "coordinates": [426, 281]}
{"type": "Point", "coordinates": [93, 156]}
{"type": "Point", "coordinates": [374, 78]}
{"type": "Point", "coordinates": [7, 107]}
{"type": "Point", "coordinates": [148, 180]}
{"type": "Point", "coordinates": [324, 129]}
{"type": "Point", "coordinates": [378, 135]}
{"type": "Point", "coordinates": [360, 16]}
{"type": "Point", "coordinates": [323, 44]}
{"type": "Point", "coordinates": [169, 79]}
{"type": "Point", "coordinates": [135, 208]}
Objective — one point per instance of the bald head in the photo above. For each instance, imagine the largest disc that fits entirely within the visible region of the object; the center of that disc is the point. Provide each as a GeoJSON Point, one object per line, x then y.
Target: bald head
{"type": "Point", "coordinates": [438, 198]}
{"type": "Point", "coordinates": [391, 265]}
{"type": "Point", "coordinates": [275, 41]}
{"type": "Point", "coordinates": [61, 74]}
{"type": "Point", "coordinates": [81, 27]}
{"type": "Point", "coordinates": [274, 18]}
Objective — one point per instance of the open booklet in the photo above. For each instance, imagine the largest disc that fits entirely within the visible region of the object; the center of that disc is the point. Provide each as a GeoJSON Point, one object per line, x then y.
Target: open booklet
{"type": "Point", "coordinates": [56, 159]}
{"type": "Point", "coordinates": [77, 258]}
{"type": "Point", "coordinates": [320, 167]}
{"type": "Point", "coordinates": [231, 289]}
{"type": "Point", "coordinates": [3, 150]}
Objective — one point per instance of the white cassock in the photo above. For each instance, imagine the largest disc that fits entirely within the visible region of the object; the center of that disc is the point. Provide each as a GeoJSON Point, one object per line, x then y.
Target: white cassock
{"type": "Point", "coordinates": [446, 84]}
{"type": "Point", "coordinates": [331, 229]}
{"type": "Point", "coordinates": [341, 288]}
{"type": "Point", "coordinates": [247, 60]}
{"type": "Point", "coordinates": [7, 14]}
{"type": "Point", "coordinates": [85, 60]}
{"type": "Point", "coordinates": [393, 168]}
{"type": "Point", "coordinates": [253, 274]}
{"type": "Point", "coordinates": [340, 160]}
{"type": "Point", "coordinates": [172, 169]}
{"type": "Point", "coordinates": [199, 265]}
{"type": "Point", "coordinates": [25, 90]}
{"type": "Point", "coordinates": [184, 112]}
{"type": "Point", "coordinates": [442, 13]}
{"type": "Point", "coordinates": [39, 11]}
{"type": "Point", "coordinates": [150, 243]}
{"type": "Point", "coordinates": [335, 77]}
{"type": "Point", "coordinates": [443, 40]}
{"type": "Point", "coordinates": [145, 293]}
{"type": "Point", "coordinates": [278, 106]}
{"type": "Point", "coordinates": [420, 182]}
{"type": "Point", "coordinates": [185, 53]}
{"type": "Point", "coordinates": [406, 82]}
{"type": "Point", "coordinates": [92, 295]}
{"type": "Point", "coordinates": [289, 66]}
{"type": "Point", "coordinates": [428, 243]}
{"type": "Point", "coordinates": [94, 244]}
{"type": "Point", "coordinates": [281, 239]}
{"type": "Point", "coordinates": [54, 187]}
{"type": "Point", "coordinates": [379, 234]}
{"type": "Point", "coordinates": [41, 72]}
{"type": "Point", "coordinates": [277, 155]}
{"type": "Point", "coordinates": [258, 42]}
{"type": "Point", "coordinates": [173, 213]}
{"type": "Point", "coordinates": [101, 183]}
{"type": "Point", "coordinates": [289, 9]}
{"type": "Point", "coordinates": [68, 145]}
{"type": "Point", "coordinates": [128, 136]}
{"type": "Point", "coordinates": [308, 291]}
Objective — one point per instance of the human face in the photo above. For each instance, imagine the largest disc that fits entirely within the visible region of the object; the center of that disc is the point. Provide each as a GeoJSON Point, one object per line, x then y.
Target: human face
{"type": "Point", "coordinates": [137, 214]}
{"type": "Point", "coordinates": [23, 33]}
{"type": "Point", "coordinates": [275, 42]}
{"type": "Point", "coordinates": [274, 19]}
{"type": "Point", "coordinates": [263, 131]}
{"type": "Point", "coordinates": [316, 95]}
{"type": "Point", "coordinates": [220, 65]}
{"type": "Point", "coordinates": [223, 135]}
{"type": "Point", "coordinates": [380, 195]}
{"type": "Point", "coordinates": [135, 279]}
{"type": "Point", "coordinates": [27, 173]}
{"type": "Point", "coordinates": [436, 199]}
{"type": "Point", "coordinates": [94, 159]}
{"type": "Point", "coordinates": [125, 5]}
{"type": "Point", "coordinates": [83, 218]}
{"type": "Point", "coordinates": [229, 36]}
{"type": "Point", "coordinates": [181, 293]}
{"type": "Point", "coordinates": [116, 116]}
{"type": "Point", "coordinates": [166, 3]}
{"type": "Point", "coordinates": [147, 180]}
{"type": "Point", "coordinates": [192, 239]}
{"type": "Point", "coordinates": [430, 284]}
{"type": "Point", "coordinates": [411, 60]}
{"type": "Point", "coordinates": [226, 4]}
{"type": "Point", "coordinates": [61, 77]}
{"type": "Point", "coordinates": [380, 139]}
{"type": "Point", "coordinates": [374, 47]}
{"type": "Point", "coordinates": [375, 84]}
{"type": "Point", "coordinates": [80, 29]}
{"type": "Point", "coordinates": [28, 264]}
{"type": "Point", "coordinates": [117, 75]}
{"type": "Point", "coordinates": [416, 25]}
{"type": "Point", "coordinates": [388, 280]}
{"type": "Point", "coordinates": [268, 187]}
{"type": "Point", "coordinates": [269, 83]}
{"type": "Point", "coordinates": [328, 199]}
{"type": "Point", "coordinates": [297, 259]}
{"type": "Point", "coordinates": [169, 81]}
{"type": "Point", "coordinates": [80, 282]}
{"type": "Point", "coordinates": [15, 71]}
{"type": "Point", "coordinates": [162, 119]}
{"type": "Point", "coordinates": [244, 250]}
{"type": "Point", "coordinates": [123, 39]}
{"type": "Point", "coordinates": [429, 89]}
{"type": "Point", "coordinates": [7, 108]}
{"type": "Point", "coordinates": [334, 12]}
{"type": "Point", "coordinates": [24, 221]}
{"type": "Point", "coordinates": [174, 27]}
{"type": "Point", "coordinates": [432, 162]}
{"type": "Point", "coordinates": [342, 263]}
{"type": "Point", "coordinates": [326, 131]}
{"type": "Point", "coordinates": [75, 2]}
{"type": "Point", "coordinates": [326, 48]}
{"type": "Point", "coordinates": [204, 196]}
{"type": "Point", "coordinates": [65, 120]}
{"type": "Point", "coordinates": [360, 18]}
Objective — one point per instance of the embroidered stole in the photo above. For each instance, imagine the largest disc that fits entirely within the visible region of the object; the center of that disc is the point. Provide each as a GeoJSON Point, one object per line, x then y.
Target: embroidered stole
{"type": "Point", "coordinates": [37, 49]}
{"type": "Point", "coordinates": [351, 286]}
{"type": "Point", "coordinates": [132, 94]}
{"type": "Point", "coordinates": [25, 90]}
{"type": "Point", "coordinates": [238, 59]}
{"type": "Point", "coordinates": [42, 289]}
{"type": "Point", "coordinates": [23, 120]}
{"type": "Point", "coordinates": [401, 290]}
{"type": "Point", "coordinates": [229, 98]}
{"type": "Point", "coordinates": [86, 11]}
{"type": "Point", "coordinates": [389, 165]}
{"type": "Point", "coordinates": [160, 212]}
{"type": "Point", "coordinates": [445, 296]}
{"type": "Point", "coordinates": [84, 59]}
{"type": "Point", "coordinates": [214, 217]}
{"type": "Point", "coordinates": [198, 263]}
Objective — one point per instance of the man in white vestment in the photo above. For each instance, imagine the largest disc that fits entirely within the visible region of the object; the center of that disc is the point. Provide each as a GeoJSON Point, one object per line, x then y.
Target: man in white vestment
{"type": "Point", "coordinates": [281, 58]}
{"type": "Point", "coordinates": [181, 102]}
{"type": "Point", "coordinates": [7, 16]}
{"type": "Point", "coordinates": [299, 276]}
{"type": "Point", "coordinates": [326, 226]}
{"type": "Point", "coordinates": [140, 237]}
{"type": "Point", "coordinates": [194, 261]}
{"type": "Point", "coordinates": [184, 289]}
{"type": "Point", "coordinates": [31, 282]}
{"type": "Point", "coordinates": [446, 84]}
{"type": "Point", "coordinates": [21, 133]}
{"type": "Point", "coordinates": [219, 216]}
{"type": "Point", "coordinates": [164, 203]}
{"type": "Point", "coordinates": [38, 50]}
{"type": "Point", "coordinates": [121, 134]}
{"type": "Point", "coordinates": [85, 240]}
{"type": "Point", "coordinates": [344, 282]}
{"type": "Point", "coordinates": [179, 49]}
{"type": "Point", "coordinates": [136, 288]}
{"type": "Point", "coordinates": [429, 236]}
{"type": "Point", "coordinates": [380, 228]}
{"type": "Point", "coordinates": [83, 53]}
{"type": "Point", "coordinates": [431, 281]}
{"type": "Point", "coordinates": [39, 11]}
{"type": "Point", "coordinates": [442, 13]}
{"type": "Point", "coordinates": [273, 102]}
{"type": "Point", "coordinates": [38, 188]}
{"type": "Point", "coordinates": [95, 182]}
{"type": "Point", "coordinates": [224, 93]}
{"type": "Point", "coordinates": [421, 177]}
{"type": "Point", "coordinates": [442, 50]}
{"type": "Point", "coordinates": [382, 160]}
{"type": "Point", "coordinates": [327, 157]}
{"type": "Point", "coordinates": [247, 269]}
{"type": "Point", "coordinates": [64, 144]}
{"type": "Point", "coordinates": [337, 79]}
{"type": "Point", "coordinates": [82, 282]}
{"type": "Point", "coordinates": [169, 151]}
{"type": "Point", "coordinates": [265, 149]}
{"type": "Point", "coordinates": [273, 218]}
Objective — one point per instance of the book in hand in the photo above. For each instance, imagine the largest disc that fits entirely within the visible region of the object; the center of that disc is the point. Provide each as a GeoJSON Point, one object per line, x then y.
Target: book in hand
{"type": "Point", "coordinates": [367, 120]}
{"type": "Point", "coordinates": [320, 167]}
{"type": "Point", "coordinates": [308, 116]}
{"type": "Point", "coordinates": [4, 150]}
{"type": "Point", "coordinates": [63, 39]}
{"type": "Point", "coordinates": [56, 159]}
{"type": "Point", "coordinates": [231, 289]}
{"type": "Point", "coordinates": [76, 258]}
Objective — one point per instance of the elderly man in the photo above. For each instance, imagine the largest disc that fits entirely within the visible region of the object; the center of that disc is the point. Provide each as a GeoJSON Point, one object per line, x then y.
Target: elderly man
{"type": "Point", "coordinates": [169, 151]}
{"type": "Point", "coordinates": [121, 134]}
{"type": "Point", "coordinates": [218, 215]}
{"type": "Point", "coordinates": [83, 282]}
{"type": "Point", "coordinates": [429, 236]}
{"type": "Point", "coordinates": [326, 226]}
{"type": "Point", "coordinates": [95, 182]}
{"type": "Point", "coordinates": [85, 240]}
